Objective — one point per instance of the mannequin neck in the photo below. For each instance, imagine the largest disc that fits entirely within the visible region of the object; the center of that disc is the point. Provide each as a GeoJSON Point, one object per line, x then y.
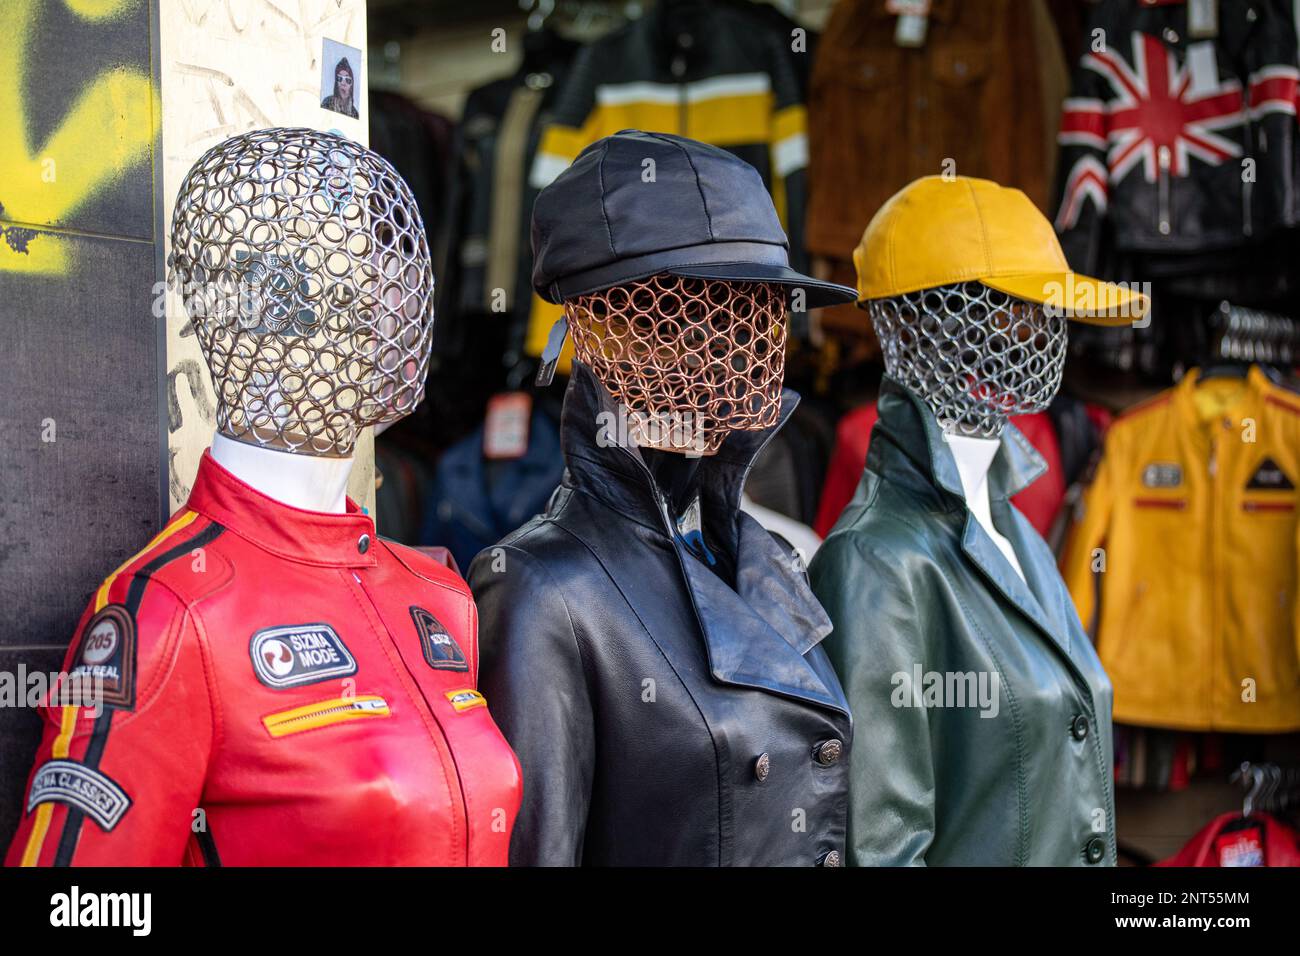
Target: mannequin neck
{"type": "Point", "coordinates": [974, 457]}
{"type": "Point", "coordinates": [300, 481]}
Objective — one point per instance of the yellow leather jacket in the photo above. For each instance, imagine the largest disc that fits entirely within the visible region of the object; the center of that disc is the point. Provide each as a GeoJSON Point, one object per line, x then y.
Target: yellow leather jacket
{"type": "Point", "coordinates": [1183, 559]}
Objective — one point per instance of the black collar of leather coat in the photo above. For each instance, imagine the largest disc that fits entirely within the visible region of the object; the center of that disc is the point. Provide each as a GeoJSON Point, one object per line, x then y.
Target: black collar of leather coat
{"type": "Point", "coordinates": [913, 453]}
{"type": "Point", "coordinates": [771, 591]}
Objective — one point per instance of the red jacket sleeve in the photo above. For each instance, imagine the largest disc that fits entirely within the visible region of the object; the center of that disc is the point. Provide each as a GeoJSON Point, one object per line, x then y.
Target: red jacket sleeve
{"type": "Point", "coordinates": [852, 436]}
{"type": "Point", "coordinates": [128, 731]}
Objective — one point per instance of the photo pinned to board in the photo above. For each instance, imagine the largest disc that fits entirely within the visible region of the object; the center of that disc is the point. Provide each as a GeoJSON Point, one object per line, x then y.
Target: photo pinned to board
{"type": "Point", "coordinates": [340, 77]}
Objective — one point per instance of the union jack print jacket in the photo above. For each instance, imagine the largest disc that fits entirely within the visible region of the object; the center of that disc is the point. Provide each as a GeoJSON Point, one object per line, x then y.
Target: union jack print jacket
{"type": "Point", "coordinates": [1174, 140]}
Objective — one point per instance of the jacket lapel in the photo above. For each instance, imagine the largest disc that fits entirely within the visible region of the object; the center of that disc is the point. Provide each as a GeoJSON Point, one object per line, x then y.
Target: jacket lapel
{"type": "Point", "coordinates": [753, 635]}
{"type": "Point", "coordinates": [1043, 578]}
{"type": "Point", "coordinates": [758, 634]}
{"type": "Point", "coordinates": [1016, 466]}
{"type": "Point", "coordinates": [993, 565]}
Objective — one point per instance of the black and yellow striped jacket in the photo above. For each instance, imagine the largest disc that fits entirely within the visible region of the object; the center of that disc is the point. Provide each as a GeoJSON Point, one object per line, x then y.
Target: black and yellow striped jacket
{"type": "Point", "coordinates": [727, 75]}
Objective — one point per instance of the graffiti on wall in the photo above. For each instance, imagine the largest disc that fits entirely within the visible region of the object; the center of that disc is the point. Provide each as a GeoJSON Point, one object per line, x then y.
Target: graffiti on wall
{"type": "Point", "coordinates": [62, 145]}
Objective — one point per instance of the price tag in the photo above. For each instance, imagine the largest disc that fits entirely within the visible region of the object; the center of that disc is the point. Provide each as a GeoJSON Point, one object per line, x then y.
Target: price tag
{"type": "Point", "coordinates": [1243, 848]}
{"type": "Point", "coordinates": [910, 31]}
{"type": "Point", "coordinates": [505, 429]}
{"type": "Point", "coordinates": [912, 21]}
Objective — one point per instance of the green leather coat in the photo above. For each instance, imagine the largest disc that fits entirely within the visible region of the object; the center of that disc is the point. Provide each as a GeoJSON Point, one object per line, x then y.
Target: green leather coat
{"type": "Point", "coordinates": [982, 731]}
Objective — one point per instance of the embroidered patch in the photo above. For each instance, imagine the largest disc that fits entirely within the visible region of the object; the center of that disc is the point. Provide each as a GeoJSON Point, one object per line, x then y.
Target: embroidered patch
{"type": "Point", "coordinates": [1269, 476]}
{"type": "Point", "coordinates": [440, 649]}
{"type": "Point", "coordinates": [93, 793]}
{"type": "Point", "coordinates": [107, 653]}
{"type": "Point", "coordinates": [295, 654]}
{"type": "Point", "coordinates": [466, 699]}
{"type": "Point", "coordinates": [1162, 474]}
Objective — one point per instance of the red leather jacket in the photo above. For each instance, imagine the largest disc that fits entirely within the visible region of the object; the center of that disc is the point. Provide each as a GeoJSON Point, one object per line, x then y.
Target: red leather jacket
{"type": "Point", "coordinates": [1039, 502]}
{"type": "Point", "coordinates": [281, 687]}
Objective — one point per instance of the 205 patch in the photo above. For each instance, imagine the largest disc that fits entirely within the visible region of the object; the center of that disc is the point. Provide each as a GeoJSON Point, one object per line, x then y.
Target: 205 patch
{"type": "Point", "coordinates": [441, 651]}
{"type": "Point", "coordinates": [1162, 474]}
{"type": "Point", "coordinates": [94, 793]}
{"type": "Point", "coordinates": [295, 654]}
{"type": "Point", "coordinates": [466, 699]}
{"type": "Point", "coordinates": [1269, 476]}
{"type": "Point", "coordinates": [107, 654]}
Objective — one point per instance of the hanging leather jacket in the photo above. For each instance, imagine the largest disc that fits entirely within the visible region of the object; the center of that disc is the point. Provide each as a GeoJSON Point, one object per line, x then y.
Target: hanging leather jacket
{"type": "Point", "coordinates": [1173, 143]}
{"type": "Point", "coordinates": [661, 717]}
{"type": "Point", "coordinates": [984, 714]}
{"type": "Point", "coordinates": [729, 74]}
{"type": "Point", "coordinates": [1184, 557]}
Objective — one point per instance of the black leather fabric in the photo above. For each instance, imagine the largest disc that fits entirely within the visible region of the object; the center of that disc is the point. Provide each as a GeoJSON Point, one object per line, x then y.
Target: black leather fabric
{"type": "Point", "coordinates": [635, 204]}
{"type": "Point", "coordinates": [639, 689]}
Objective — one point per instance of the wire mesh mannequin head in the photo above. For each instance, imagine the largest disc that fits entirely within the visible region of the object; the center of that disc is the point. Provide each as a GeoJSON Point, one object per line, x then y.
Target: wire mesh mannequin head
{"type": "Point", "coordinates": [690, 359]}
{"type": "Point", "coordinates": [306, 274]}
{"type": "Point", "coordinates": [974, 355]}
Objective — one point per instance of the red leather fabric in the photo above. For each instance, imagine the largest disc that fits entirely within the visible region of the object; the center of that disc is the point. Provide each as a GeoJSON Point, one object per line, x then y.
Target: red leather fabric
{"type": "Point", "coordinates": [1039, 502]}
{"type": "Point", "coordinates": [396, 762]}
{"type": "Point", "coordinates": [1274, 844]}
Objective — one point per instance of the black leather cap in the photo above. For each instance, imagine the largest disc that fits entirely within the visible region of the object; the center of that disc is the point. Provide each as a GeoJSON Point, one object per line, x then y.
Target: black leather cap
{"type": "Point", "coordinates": [605, 220]}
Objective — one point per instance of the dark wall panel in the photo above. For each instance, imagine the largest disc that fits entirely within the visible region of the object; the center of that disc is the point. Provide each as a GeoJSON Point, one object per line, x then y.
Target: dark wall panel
{"type": "Point", "coordinates": [80, 460]}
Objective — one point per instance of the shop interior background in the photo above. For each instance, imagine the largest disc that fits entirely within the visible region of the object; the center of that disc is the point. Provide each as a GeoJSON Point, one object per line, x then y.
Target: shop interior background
{"type": "Point", "coordinates": [457, 96]}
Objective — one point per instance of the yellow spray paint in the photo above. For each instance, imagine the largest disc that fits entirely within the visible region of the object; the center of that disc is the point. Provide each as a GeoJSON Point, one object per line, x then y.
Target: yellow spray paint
{"type": "Point", "coordinates": [107, 131]}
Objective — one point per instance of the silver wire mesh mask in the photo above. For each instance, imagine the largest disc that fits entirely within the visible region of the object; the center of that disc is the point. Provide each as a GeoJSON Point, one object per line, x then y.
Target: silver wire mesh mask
{"type": "Point", "coordinates": [691, 360]}
{"type": "Point", "coordinates": [974, 355]}
{"type": "Point", "coordinates": [305, 270]}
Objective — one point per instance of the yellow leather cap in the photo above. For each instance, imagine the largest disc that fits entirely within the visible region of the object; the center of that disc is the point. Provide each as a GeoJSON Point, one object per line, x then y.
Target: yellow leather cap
{"type": "Point", "coordinates": [940, 231]}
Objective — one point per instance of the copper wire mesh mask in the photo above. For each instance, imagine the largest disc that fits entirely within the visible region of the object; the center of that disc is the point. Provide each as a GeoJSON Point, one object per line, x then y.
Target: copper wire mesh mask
{"type": "Point", "coordinates": [306, 273]}
{"type": "Point", "coordinates": [974, 355]}
{"type": "Point", "coordinates": [690, 359]}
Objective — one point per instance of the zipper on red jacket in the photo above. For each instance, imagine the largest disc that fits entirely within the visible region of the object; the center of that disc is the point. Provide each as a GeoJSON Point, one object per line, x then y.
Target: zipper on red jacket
{"type": "Point", "coordinates": [428, 705]}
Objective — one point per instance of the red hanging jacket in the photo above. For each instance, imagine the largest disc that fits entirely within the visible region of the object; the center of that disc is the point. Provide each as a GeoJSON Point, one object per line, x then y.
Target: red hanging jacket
{"type": "Point", "coordinates": [1268, 842]}
{"type": "Point", "coordinates": [1039, 502]}
{"type": "Point", "coordinates": [280, 687]}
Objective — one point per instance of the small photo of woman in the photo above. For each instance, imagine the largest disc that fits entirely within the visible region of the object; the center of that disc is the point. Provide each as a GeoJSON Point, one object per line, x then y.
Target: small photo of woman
{"type": "Point", "coordinates": [339, 79]}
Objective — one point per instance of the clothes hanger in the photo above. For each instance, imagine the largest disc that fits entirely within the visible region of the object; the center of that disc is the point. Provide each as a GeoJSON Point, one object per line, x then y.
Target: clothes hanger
{"type": "Point", "coordinates": [1223, 370]}
{"type": "Point", "coordinates": [1254, 774]}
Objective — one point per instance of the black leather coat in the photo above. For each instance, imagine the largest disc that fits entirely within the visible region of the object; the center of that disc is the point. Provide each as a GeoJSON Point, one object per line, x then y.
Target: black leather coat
{"type": "Point", "coordinates": [661, 717]}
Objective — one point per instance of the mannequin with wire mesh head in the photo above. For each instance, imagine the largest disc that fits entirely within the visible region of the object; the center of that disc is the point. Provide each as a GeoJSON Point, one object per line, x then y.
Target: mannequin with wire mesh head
{"type": "Point", "coordinates": [976, 357]}
{"type": "Point", "coordinates": [692, 359]}
{"type": "Point", "coordinates": [689, 361]}
{"type": "Point", "coordinates": [306, 275]}
{"type": "Point", "coordinates": [994, 747]}
{"type": "Point", "coordinates": [651, 651]}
